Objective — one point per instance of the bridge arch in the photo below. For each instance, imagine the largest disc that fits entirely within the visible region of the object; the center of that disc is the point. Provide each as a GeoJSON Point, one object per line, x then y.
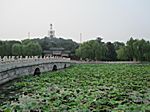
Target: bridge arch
{"type": "Point", "coordinates": [37, 71]}
{"type": "Point", "coordinates": [65, 66]}
{"type": "Point", "coordinates": [30, 67]}
{"type": "Point", "coordinates": [54, 68]}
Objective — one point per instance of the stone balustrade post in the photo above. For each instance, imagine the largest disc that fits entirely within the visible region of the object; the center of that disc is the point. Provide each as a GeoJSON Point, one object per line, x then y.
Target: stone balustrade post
{"type": "Point", "coordinates": [44, 57]}
{"type": "Point", "coordinates": [5, 58]}
{"type": "Point", "coordinates": [35, 57]}
{"type": "Point", "coordinates": [20, 58]}
{"type": "Point", "coordinates": [12, 58]}
{"type": "Point", "coordinates": [1, 59]}
{"type": "Point", "coordinates": [17, 57]}
{"type": "Point", "coordinates": [26, 57]}
{"type": "Point", "coordinates": [9, 58]}
{"type": "Point", "coordinates": [40, 57]}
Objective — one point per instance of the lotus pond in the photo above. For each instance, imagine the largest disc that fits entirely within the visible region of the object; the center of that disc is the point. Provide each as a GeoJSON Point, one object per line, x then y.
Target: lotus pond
{"type": "Point", "coordinates": [81, 88]}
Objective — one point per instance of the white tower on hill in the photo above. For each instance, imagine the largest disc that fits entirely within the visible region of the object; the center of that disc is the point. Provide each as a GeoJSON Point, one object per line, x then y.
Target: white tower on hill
{"type": "Point", "coordinates": [51, 32]}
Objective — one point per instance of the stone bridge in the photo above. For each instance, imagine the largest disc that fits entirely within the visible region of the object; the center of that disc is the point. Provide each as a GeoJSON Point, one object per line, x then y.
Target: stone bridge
{"type": "Point", "coordinates": [11, 68]}
{"type": "Point", "coordinates": [14, 67]}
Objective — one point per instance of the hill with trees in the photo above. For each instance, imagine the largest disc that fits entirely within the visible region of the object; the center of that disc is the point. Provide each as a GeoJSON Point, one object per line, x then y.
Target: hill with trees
{"type": "Point", "coordinates": [33, 47]}
{"type": "Point", "coordinates": [47, 43]}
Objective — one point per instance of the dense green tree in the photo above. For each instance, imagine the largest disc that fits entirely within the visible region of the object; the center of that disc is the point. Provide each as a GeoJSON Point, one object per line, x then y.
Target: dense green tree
{"type": "Point", "coordinates": [99, 39]}
{"type": "Point", "coordinates": [25, 51]}
{"type": "Point", "coordinates": [146, 54]}
{"type": "Point", "coordinates": [26, 41]}
{"type": "Point", "coordinates": [140, 49]}
{"type": "Point", "coordinates": [6, 47]}
{"type": "Point", "coordinates": [92, 50]}
{"type": "Point", "coordinates": [111, 54]}
{"type": "Point", "coordinates": [122, 54]}
{"type": "Point", "coordinates": [118, 45]}
{"type": "Point", "coordinates": [130, 49]}
{"type": "Point", "coordinates": [137, 50]}
{"type": "Point", "coordinates": [86, 50]}
{"type": "Point", "coordinates": [2, 49]}
{"type": "Point", "coordinates": [17, 50]}
{"type": "Point", "coordinates": [32, 49]}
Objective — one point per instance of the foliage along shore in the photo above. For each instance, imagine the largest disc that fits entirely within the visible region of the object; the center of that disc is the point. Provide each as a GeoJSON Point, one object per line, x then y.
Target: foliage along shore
{"type": "Point", "coordinates": [95, 50]}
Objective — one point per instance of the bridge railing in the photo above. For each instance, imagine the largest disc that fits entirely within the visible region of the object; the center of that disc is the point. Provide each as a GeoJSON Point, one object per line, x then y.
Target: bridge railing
{"type": "Point", "coordinates": [13, 62]}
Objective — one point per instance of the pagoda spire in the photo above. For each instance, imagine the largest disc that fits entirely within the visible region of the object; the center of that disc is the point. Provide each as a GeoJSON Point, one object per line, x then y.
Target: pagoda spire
{"type": "Point", "coordinates": [51, 32]}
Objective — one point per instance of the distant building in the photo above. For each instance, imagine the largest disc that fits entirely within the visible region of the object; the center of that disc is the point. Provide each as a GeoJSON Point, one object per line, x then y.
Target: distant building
{"type": "Point", "coordinates": [61, 52]}
{"type": "Point", "coordinates": [51, 32]}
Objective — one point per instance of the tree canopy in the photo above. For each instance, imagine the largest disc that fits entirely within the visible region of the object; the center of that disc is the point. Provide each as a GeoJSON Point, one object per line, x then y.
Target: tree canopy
{"type": "Point", "coordinates": [133, 50]}
{"type": "Point", "coordinates": [32, 47]}
{"type": "Point", "coordinates": [92, 50]}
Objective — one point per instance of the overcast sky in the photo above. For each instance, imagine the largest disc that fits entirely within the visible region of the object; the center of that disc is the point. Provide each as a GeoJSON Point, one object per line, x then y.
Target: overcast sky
{"type": "Point", "coordinates": [111, 19]}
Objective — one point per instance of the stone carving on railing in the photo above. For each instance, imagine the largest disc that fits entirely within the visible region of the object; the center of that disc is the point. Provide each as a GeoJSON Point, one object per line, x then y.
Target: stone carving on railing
{"type": "Point", "coordinates": [11, 59]}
